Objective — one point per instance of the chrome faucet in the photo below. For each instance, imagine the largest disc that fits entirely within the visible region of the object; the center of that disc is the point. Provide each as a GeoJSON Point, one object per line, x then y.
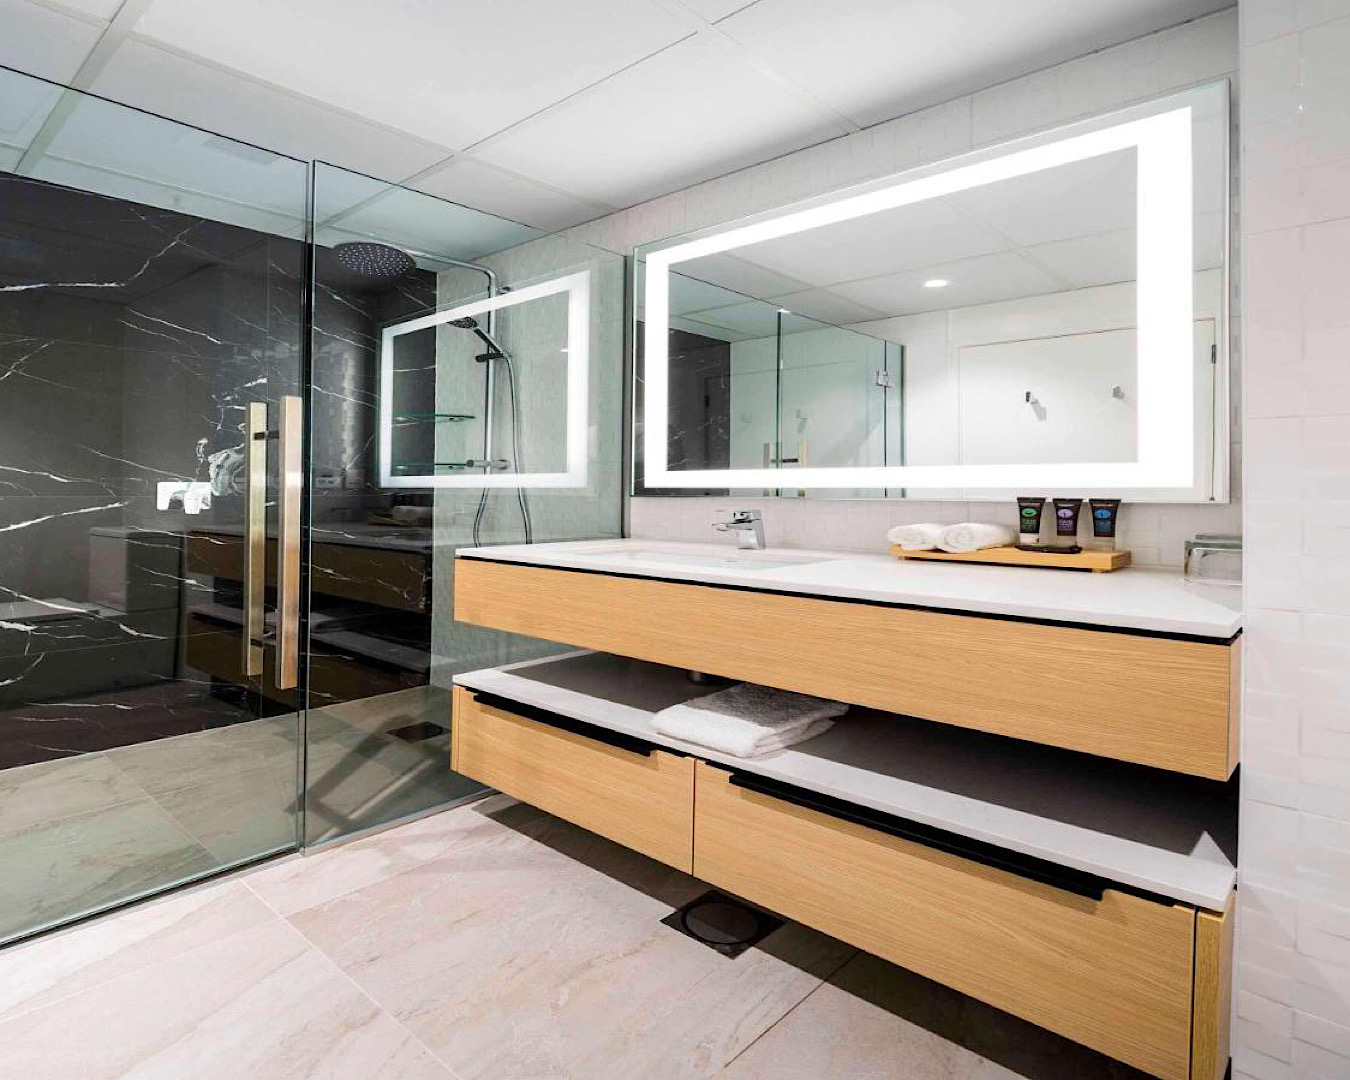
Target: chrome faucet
{"type": "Point", "coordinates": [748, 525]}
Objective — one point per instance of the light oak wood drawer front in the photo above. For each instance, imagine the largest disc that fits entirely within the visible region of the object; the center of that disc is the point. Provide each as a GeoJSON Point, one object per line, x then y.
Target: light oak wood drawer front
{"type": "Point", "coordinates": [1114, 974]}
{"type": "Point", "coordinates": [642, 800]}
{"type": "Point", "coordinates": [1152, 700]}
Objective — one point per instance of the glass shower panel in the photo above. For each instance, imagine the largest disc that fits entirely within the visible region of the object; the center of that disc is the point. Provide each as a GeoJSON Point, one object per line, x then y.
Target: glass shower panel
{"type": "Point", "coordinates": [150, 302]}
{"type": "Point", "coordinates": [486, 396]}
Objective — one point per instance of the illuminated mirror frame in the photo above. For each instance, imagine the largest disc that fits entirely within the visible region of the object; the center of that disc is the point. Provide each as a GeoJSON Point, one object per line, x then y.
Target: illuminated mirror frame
{"type": "Point", "coordinates": [578, 289]}
{"type": "Point", "coordinates": [1164, 302]}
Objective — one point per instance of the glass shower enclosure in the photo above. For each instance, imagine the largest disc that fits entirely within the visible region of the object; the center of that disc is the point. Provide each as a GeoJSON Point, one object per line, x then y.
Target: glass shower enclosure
{"type": "Point", "coordinates": [226, 617]}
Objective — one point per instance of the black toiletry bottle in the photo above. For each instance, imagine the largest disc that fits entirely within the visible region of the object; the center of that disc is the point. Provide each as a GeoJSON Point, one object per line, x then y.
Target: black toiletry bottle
{"type": "Point", "coordinates": [1105, 518]}
{"type": "Point", "coordinates": [1066, 519]}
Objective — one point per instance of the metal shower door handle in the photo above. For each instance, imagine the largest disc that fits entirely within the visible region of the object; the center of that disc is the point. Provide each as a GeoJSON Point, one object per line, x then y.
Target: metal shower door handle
{"type": "Point", "coordinates": [288, 555]}
{"type": "Point", "coordinates": [255, 534]}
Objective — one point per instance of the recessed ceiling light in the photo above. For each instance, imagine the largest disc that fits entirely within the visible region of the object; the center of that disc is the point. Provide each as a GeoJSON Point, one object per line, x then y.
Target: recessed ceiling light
{"type": "Point", "coordinates": [936, 283]}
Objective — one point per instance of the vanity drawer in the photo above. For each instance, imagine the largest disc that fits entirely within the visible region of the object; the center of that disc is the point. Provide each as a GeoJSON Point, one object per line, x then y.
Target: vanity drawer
{"type": "Point", "coordinates": [1153, 700]}
{"type": "Point", "coordinates": [635, 794]}
{"type": "Point", "coordinates": [1114, 972]}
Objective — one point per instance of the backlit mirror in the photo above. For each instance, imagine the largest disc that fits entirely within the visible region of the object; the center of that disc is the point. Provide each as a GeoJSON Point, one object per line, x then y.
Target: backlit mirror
{"type": "Point", "coordinates": [1048, 314]}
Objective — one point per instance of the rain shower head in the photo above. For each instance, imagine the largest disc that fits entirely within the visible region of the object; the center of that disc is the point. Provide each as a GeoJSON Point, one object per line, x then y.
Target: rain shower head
{"type": "Point", "coordinates": [372, 262]}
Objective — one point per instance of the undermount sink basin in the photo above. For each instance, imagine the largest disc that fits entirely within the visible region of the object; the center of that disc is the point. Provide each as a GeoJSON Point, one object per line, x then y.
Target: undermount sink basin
{"type": "Point", "coordinates": [740, 560]}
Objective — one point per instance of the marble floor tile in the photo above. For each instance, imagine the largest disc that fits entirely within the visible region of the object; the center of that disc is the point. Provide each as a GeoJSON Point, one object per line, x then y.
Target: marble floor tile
{"type": "Point", "coordinates": [34, 794]}
{"type": "Point", "coordinates": [539, 954]}
{"type": "Point", "coordinates": [239, 816]}
{"type": "Point", "coordinates": [48, 969]}
{"type": "Point", "coordinates": [68, 867]}
{"type": "Point", "coordinates": [259, 1004]}
{"type": "Point", "coordinates": [294, 884]}
{"type": "Point", "coordinates": [185, 761]}
{"type": "Point", "coordinates": [876, 1021]}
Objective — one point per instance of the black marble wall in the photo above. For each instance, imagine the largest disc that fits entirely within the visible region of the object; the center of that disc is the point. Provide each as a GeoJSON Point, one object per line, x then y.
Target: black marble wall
{"type": "Point", "coordinates": [131, 339]}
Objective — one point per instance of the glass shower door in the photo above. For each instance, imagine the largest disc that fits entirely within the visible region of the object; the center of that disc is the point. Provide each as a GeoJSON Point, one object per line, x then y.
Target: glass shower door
{"type": "Point", "coordinates": [151, 332]}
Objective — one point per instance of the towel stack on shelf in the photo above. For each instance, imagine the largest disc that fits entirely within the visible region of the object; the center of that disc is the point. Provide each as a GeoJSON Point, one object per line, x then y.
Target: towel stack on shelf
{"type": "Point", "coordinates": [747, 720]}
{"type": "Point", "coordinates": [964, 537]}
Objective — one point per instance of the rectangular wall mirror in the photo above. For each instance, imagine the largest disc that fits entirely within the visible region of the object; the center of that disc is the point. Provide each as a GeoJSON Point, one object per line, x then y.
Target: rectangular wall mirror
{"type": "Point", "coordinates": [1047, 314]}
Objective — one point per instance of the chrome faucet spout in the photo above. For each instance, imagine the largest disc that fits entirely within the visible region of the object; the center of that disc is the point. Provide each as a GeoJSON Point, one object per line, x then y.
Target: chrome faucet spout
{"type": "Point", "coordinates": [748, 525]}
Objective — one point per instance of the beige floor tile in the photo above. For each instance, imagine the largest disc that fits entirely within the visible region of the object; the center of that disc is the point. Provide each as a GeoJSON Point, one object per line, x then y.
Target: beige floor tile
{"type": "Point", "coordinates": [539, 954]}
{"type": "Point", "coordinates": [295, 884]}
{"type": "Point", "coordinates": [260, 1004]}
{"type": "Point", "coordinates": [875, 1021]}
{"type": "Point", "coordinates": [48, 969]}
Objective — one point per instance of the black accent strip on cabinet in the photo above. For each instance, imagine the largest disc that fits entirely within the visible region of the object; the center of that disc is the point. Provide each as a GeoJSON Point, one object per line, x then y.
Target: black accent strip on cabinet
{"type": "Point", "coordinates": [1078, 882]}
{"type": "Point", "coordinates": [618, 739]}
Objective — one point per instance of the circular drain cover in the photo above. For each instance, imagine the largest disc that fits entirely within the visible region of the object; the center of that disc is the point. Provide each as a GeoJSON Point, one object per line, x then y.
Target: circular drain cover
{"type": "Point", "coordinates": [721, 922]}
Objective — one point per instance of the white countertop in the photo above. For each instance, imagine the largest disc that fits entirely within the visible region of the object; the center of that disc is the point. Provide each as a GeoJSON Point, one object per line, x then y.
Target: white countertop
{"type": "Point", "coordinates": [1162, 832]}
{"type": "Point", "coordinates": [1134, 598]}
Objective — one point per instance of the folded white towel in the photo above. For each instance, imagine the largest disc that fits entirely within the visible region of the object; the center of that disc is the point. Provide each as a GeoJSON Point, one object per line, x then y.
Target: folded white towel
{"type": "Point", "coordinates": [746, 720]}
{"type": "Point", "coordinates": [974, 536]}
{"type": "Point", "coordinates": [922, 537]}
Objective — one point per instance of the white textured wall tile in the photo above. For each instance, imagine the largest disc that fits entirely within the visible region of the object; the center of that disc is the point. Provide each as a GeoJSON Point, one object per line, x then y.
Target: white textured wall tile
{"type": "Point", "coordinates": [1294, 997]}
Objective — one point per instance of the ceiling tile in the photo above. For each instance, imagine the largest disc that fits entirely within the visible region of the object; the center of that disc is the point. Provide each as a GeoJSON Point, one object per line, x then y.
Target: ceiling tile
{"type": "Point", "coordinates": [1095, 195]}
{"type": "Point", "coordinates": [1084, 261]}
{"type": "Point", "coordinates": [712, 10]}
{"type": "Point", "coordinates": [450, 73]}
{"type": "Point", "coordinates": [982, 280]}
{"type": "Point", "coordinates": [877, 59]}
{"type": "Point", "coordinates": [825, 306]}
{"type": "Point", "coordinates": [920, 234]}
{"type": "Point", "coordinates": [43, 42]}
{"type": "Point", "coordinates": [100, 9]}
{"type": "Point", "coordinates": [695, 111]}
{"type": "Point", "coordinates": [478, 184]}
{"type": "Point", "coordinates": [151, 78]}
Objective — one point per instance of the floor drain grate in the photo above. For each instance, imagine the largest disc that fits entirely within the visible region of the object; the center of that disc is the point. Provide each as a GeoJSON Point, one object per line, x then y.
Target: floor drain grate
{"type": "Point", "coordinates": [723, 923]}
{"type": "Point", "coordinates": [419, 732]}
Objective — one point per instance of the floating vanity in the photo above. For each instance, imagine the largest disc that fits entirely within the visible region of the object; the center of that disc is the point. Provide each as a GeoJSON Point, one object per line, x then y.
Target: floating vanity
{"type": "Point", "coordinates": [1033, 877]}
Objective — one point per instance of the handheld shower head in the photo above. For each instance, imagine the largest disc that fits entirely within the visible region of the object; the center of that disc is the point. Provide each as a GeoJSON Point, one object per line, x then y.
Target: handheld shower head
{"type": "Point", "coordinates": [495, 351]}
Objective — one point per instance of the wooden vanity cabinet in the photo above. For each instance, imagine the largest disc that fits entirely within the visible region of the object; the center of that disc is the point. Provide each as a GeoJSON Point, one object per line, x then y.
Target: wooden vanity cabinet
{"type": "Point", "coordinates": [1137, 976]}
{"type": "Point", "coordinates": [1168, 702]}
{"type": "Point", "coordinates": [633, 793]}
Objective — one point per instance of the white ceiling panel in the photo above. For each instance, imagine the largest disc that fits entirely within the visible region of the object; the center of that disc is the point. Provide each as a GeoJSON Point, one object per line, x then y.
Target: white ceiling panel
{"type": "Point", "coordinates": [827, 307]}
{"type": "Point", "coordinates": [1103, 259]}
{"type": "Point", "coordinates": [43, 42]}
{"type": "Point", "coordinates": [486, 187]}
{"type": "Point", "coordinates": [99, 9]}
{"type": "Point", "coordinates": [449, 72]}
{"type": "Point", "coordinates": [744, 276]}
{"type": "Point", "coordinates": [909, 236]}
{"type": "Point", "coordinates": [981, 280]}
{"type": "Point", "coordinates": [695, 111]}
{"type": "Point", "coordinates": [876, 59]}
{"type": "Point", "coordinates": [712, 10]}
{"type": "Point", "coordinates": [151, 78]}
{"type": "Point", "coordinates": [1095, 195]}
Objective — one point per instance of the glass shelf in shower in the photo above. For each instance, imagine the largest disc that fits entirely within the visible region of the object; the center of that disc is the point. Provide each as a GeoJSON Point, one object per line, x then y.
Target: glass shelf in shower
{"type": "Point", "coordinates": [422, 466]}
{"type": "Point", "coordinates": [431, 417]}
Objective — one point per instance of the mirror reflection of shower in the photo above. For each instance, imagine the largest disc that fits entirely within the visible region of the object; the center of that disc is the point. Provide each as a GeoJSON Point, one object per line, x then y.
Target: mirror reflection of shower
{"type": "Point", "coordinates": [496, 352]}
{"type": "Point", "coordinates": [376, 266]}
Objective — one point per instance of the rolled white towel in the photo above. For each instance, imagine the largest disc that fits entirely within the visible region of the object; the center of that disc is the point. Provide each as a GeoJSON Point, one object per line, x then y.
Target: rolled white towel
{"type": "Point", "coordinates": [974, 536]}
{"type": "Point", "coordinates": [746, 720]}
{"type": "Point", "coordinates": [923, 537]}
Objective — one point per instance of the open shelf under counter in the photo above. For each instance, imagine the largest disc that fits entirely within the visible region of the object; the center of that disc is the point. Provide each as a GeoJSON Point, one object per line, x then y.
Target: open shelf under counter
{"type": "Point", "coordinates": [1162, 833]}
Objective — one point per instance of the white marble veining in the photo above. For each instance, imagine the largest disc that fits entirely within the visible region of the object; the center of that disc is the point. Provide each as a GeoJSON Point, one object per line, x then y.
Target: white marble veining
{"type": "Point", "coordinates": [1080, 812]}
{"type": "Point", "coordinates": [1134, 598]}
